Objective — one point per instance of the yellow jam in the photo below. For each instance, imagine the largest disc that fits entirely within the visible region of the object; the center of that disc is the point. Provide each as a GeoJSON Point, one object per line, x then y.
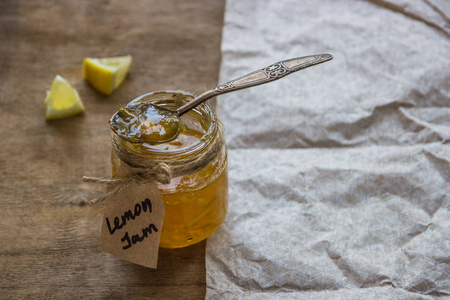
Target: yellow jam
{"type": "Point", "coordinates": [195, 204]}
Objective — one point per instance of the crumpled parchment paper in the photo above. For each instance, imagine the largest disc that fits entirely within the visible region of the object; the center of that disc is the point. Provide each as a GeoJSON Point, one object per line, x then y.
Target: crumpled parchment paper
{"type": "Point", "coordinates": [340, 173]}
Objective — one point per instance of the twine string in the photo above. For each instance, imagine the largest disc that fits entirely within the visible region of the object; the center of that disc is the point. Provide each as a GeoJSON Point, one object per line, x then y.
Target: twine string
{"type": "Point", "coordinates": [145, 170]}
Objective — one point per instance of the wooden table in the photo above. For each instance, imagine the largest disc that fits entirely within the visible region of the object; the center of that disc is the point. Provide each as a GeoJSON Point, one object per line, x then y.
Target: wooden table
{"type": "Point", "coordinates": [49, 234]}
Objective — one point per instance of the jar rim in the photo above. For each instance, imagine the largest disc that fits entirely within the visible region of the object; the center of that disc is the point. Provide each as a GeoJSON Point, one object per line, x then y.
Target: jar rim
{"type": "Point", "coordinates": [204, 110]}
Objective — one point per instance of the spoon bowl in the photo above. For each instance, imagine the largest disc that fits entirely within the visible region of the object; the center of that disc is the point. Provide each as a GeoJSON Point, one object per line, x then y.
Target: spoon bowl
{"type": "Point", "coordinates": [146, 123]}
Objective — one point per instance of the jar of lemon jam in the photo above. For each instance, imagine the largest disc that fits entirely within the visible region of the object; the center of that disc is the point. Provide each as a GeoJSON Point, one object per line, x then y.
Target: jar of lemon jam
{"type": "Point", "coordinates": [195, 204]}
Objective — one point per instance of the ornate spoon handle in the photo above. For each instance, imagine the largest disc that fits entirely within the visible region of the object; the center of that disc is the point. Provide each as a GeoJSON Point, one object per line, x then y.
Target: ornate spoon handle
{"type": "Point", "coordinates": [265, 75]}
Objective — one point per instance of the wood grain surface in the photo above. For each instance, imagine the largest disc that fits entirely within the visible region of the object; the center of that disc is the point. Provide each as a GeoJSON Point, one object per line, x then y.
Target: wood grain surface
{"type": "Point", "coordinates": [49, 235]}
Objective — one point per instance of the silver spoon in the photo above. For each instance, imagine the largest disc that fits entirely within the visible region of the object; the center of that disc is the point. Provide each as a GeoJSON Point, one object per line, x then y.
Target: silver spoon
{"type": "Point", "coordinates": [271, 73]}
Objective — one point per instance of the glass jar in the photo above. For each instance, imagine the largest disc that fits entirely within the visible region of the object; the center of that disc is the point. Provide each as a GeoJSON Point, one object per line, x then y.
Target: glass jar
{"type": "Point", "coordinates": [196, 203]}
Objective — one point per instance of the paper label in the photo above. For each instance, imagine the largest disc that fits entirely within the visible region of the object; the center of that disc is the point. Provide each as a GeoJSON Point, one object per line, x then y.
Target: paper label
{"type": "Point", "coordinates": [132, 223]}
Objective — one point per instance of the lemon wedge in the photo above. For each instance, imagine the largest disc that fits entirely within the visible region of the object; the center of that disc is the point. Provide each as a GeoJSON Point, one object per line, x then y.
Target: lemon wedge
{"type": "Point", "coordinates": [106, 74]}
{"type": "Point", "coordinates": [62, 100]}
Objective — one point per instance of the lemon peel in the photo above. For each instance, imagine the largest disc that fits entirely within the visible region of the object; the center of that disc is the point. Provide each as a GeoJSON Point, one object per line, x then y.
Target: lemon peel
{"type": "Point", "coordinates": [106, 74]}
{"type": "Point", "coordinates": [62, 100]}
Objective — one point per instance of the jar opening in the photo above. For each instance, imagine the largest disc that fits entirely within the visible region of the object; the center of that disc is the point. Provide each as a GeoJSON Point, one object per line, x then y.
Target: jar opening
{"type": "Point", "coordinates": [200, 120]}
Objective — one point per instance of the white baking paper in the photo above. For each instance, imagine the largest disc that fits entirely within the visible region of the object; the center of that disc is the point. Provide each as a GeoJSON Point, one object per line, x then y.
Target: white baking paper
{"type": "Point", "coordinates": [340, 173]}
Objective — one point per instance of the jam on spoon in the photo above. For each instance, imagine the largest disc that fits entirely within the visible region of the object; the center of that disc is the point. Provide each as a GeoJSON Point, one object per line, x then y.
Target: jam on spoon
{"type": "Point", "coordinates": [145, 122]}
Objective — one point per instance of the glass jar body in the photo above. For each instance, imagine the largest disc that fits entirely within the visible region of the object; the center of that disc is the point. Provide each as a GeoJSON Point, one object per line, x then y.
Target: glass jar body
{"type": "Point", "coordinates": [196, 203]}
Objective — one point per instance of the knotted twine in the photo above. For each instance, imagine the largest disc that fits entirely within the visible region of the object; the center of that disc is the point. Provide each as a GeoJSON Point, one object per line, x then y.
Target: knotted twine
{"type": "Point", "coordinates": [144, 170]}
